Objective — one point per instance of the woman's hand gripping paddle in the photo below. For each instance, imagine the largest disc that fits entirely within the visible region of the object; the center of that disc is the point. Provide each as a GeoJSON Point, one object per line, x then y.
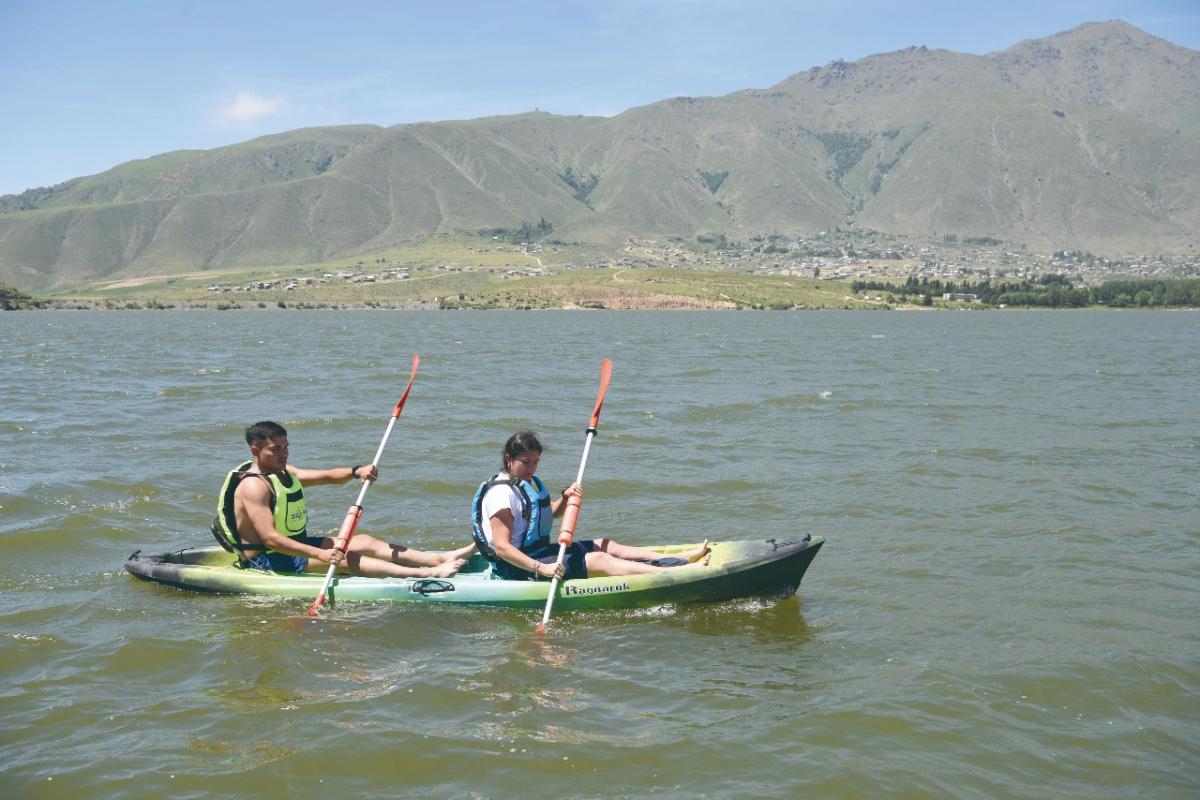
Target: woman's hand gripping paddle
{"type": "Point", "coordinates": [566, 531]}
{"type": "Point", "coordinates": [352, 516]}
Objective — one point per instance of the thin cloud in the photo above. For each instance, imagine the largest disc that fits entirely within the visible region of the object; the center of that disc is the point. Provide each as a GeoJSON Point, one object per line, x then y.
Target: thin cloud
{"type": "Point", "coordinates": [246, 109]}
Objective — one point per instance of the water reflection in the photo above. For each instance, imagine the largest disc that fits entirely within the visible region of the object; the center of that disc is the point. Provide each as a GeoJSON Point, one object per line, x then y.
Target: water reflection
{"type": "Point", "coordinates": [539, 650]}
{"type": "Point", "coordinates": [1003, 606]}
{"type": "Point", "coordinates": [765, 621]}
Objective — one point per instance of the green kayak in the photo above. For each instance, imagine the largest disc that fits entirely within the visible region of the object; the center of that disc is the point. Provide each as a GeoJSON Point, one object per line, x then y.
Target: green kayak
{"type": "Point", "coordinates": [764, 568]}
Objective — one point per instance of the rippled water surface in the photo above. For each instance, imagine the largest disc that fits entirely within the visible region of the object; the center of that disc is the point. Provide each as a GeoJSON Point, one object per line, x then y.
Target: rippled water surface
{"type": "Point", "coordinates": [1006, 605]}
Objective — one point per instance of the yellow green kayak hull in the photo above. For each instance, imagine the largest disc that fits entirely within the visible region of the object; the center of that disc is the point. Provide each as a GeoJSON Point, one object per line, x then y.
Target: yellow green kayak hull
{"type": "Point", "coordinates": [758, 568]}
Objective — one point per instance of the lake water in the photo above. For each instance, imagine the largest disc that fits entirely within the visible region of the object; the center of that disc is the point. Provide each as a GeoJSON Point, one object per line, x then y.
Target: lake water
{"type": "Point", "coordinates": [1005, 606]}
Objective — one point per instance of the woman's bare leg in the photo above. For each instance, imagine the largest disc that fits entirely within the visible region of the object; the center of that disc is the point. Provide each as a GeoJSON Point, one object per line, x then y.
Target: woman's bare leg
{"type": "Point", "coordinates": [600, 563]}
{"type": "Point", "coordinates": [641, 554]}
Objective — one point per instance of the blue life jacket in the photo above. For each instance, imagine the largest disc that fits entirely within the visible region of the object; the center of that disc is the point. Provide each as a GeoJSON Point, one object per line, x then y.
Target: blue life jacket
{"type": "Point", "coordinates": [535, 507]}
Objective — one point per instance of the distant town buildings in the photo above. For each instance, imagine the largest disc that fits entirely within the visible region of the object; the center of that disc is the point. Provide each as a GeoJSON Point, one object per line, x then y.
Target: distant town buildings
{"type": "Point", "coordinates": [841, 256]}
{"type": "Point", "coordinates": [294, 283]}
{"type": "Point", "coordinates": [848, 260]}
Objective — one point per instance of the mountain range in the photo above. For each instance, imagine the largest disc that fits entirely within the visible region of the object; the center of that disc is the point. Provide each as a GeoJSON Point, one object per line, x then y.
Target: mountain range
{"type": "Point", "coordinates": [1088, 139]}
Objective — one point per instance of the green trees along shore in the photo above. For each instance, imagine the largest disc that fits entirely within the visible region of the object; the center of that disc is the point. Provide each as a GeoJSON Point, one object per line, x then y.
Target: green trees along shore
{"type": "Point", "coordinates": [1048, 291]}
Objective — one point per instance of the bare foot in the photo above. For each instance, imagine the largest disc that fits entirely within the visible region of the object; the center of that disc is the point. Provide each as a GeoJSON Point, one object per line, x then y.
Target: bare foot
{"type": "Point", "coordinates": [700, 553]}
{"type": "Point", "coordinates": [446, 568]}
{"type": "Point", "coordinates": [461, 554]}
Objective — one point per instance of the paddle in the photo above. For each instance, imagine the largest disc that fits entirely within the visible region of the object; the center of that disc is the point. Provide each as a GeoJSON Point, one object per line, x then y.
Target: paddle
{"type": "Point", "coordinates": [350, 522]}
{"type": "Point", "coordinates": [566, 531]}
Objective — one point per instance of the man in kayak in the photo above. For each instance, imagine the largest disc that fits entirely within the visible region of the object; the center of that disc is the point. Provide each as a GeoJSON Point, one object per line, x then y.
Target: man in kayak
{"type": "Point", "coordinates": [263, 517]}
{"type": "Point", "coordinates": [511, 518]}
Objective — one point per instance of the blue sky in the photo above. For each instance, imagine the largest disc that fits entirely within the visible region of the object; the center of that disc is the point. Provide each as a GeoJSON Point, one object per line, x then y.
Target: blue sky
{"type": "Point", "coordinates": [85, 86]}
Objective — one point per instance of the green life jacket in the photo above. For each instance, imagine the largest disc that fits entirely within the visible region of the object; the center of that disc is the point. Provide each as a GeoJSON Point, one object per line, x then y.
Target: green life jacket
{"type": "Point", "coordinates": [291, 515]}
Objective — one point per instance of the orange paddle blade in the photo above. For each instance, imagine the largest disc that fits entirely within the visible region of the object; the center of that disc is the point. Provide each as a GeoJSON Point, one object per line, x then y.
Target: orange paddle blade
{"type": "Point", "coordinates": [408, 388]}
{"type": "Point", "coordinates": [605, 377]}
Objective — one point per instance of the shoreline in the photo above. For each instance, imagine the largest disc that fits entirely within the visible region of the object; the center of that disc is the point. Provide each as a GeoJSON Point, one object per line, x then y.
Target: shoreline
{"type": "Point", "coordinates": [199, 308]}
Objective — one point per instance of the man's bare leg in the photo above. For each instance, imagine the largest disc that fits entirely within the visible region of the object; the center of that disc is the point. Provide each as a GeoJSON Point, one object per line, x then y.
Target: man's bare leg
{"type": "Point", "coordinates": [369, 567]}
{"type": "Point", "coordinates": [398, 554]}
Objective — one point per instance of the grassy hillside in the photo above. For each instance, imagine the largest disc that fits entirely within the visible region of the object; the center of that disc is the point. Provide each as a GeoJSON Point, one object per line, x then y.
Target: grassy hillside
{"type": "Point", "coordinates": [478, 272]}
{"type": "Point", "coordinates": [608, 288]}
{"type": "Point", "coordinates": [1087, 140]}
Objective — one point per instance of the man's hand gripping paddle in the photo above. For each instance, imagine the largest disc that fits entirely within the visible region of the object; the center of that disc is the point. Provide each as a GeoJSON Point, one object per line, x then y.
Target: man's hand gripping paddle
{"type": "Point", "coordinates": [352, 516]}
{"type": "Point", "coordinates": [566, 531]}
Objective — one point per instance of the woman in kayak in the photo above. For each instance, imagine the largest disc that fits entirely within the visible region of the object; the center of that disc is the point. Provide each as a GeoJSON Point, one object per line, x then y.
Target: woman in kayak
{"type": "Point", "coordinates": [512, 514]}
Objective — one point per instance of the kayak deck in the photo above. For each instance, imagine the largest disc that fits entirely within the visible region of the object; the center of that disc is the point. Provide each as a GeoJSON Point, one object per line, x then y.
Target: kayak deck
{"type": "Point", "coordinates": [735, 569]}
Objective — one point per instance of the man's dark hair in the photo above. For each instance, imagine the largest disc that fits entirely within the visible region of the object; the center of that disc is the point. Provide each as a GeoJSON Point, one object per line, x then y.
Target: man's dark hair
{"type": "Point", "coordinates": [261, 431]}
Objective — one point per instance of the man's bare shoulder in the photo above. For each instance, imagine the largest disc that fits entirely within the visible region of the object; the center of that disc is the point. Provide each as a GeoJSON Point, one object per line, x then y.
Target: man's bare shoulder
{"type": "Point", "coordinates": [253, 488]}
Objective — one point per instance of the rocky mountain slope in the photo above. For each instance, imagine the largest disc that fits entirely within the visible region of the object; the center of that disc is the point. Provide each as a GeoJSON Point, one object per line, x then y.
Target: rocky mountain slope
{"type": "Point", "coordinates": [1089, 139]}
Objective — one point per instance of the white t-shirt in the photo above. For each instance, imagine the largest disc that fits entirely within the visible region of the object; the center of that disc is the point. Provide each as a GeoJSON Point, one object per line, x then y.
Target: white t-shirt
{"type": "Point", "coordinates": [501, 497]}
